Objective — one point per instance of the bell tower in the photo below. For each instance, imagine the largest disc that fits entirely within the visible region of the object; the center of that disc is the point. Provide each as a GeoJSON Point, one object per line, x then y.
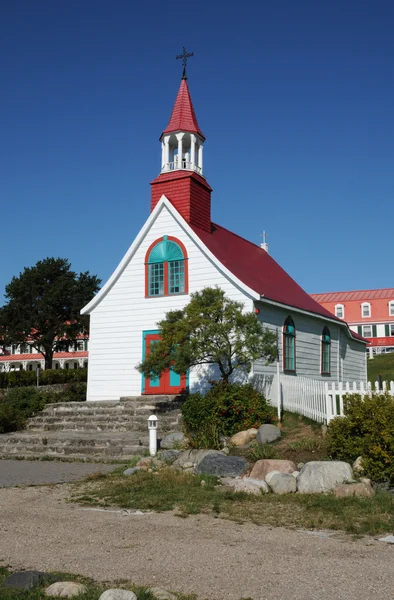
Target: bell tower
{"type": "Point", "coordinates": [181, 177]}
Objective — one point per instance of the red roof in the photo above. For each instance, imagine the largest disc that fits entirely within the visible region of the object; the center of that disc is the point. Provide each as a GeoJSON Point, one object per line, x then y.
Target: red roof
{"type": "Point", "coordinates": [57, 355]}
{"type": "Point", "coordinates": [382, 341]}
{"type": "Point", "coordinates": [259, 271]}
{"type": "Point", "coordinates": [355, 295]}
{"type": "Point", "coordinates": [183, 117]}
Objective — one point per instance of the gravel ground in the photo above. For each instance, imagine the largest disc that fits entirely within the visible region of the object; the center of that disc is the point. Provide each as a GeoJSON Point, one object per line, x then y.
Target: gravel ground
{"type": "Point", "coordinates": [213, 558]}
{"type": "Point", "coordinates": [33, 472]}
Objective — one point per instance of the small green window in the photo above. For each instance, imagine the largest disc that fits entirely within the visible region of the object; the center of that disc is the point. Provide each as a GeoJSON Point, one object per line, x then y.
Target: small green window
{"type": "Point", "coordinates": [326, 352]}
{"type": "Point", "coordinates": [289, 337]}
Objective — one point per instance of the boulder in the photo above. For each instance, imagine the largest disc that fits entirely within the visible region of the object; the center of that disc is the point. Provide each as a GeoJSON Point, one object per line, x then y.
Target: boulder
{"type": "Point", "coordinates": [168, 456]}
{"type": "Point", "coordinates": [194, 457]}
{"type": "Point", "coordinates": [161, 594]}
{"type": "Point", "coordinates": [173, 440]}
{"type": "Point", "coordinates": [267, 433]}
{"type": "Point", "coordinates": [242, 438]}
{"type": "Point", "coordinates": [145, 462]}
{"type": "Point", "coordinates": [270, 475]}
{"type": "Point", "coordinates": [358, 466]}
{"type": "Point", "coordinates": [247, 485]}
{"type": "Point", "coordinates": [363, 488]}
{"type": "Point", "coordinates": [318, 477]}
{"type": "Point", "coordinates": [265, 466]}
{"type": "Point", "coordinates": [118, 594]}
{"type": "Point", "coordinates": [295, 474]}
{"type": "Point", "coordinates": [26, 580]}
{"type": "Point", "coordinates": [131, 470]}
{"type": "Point", "coordinates": [221, 465]}
{"type": "Point", "coordinates": [283, 483]}
{"type": "Point", "coordinates": [66, 589]}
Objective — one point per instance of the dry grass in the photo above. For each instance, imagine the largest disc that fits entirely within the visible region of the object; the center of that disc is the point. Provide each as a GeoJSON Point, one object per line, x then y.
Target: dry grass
{"type": "Point", "coordinates": [183, 493]}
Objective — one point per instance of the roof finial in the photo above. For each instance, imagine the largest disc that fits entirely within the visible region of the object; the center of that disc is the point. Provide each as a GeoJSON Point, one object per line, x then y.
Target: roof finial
{"type": "Point", "coordinates": [185, 55]}
{"type": "Point", "coordinates": [264, 245]}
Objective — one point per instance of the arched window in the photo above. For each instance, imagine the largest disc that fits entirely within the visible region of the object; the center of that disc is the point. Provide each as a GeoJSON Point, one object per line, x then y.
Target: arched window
{"type": "Point", "coordinates": [166, 272]}
{"type": "Point", "coordinates": [365, 310]}
{"type": "Point", "coordinates": [289, 337]}
{"type": "Point", "coordinates": [391, 308]}
{"type": "Point", "coordinates": [326, 352]}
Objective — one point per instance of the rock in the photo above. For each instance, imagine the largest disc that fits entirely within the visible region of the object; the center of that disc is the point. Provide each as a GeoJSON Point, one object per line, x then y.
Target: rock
{"type": "Point", "coordinates": [145, 463]}
{"type": "Point", "coordinates": [364, 489]}
{"type": "Point", "coordinates": [266, 434]}
{"type": "Point", "coordinates": [300, 465]}
{"type": "Point", "coordinates": [243, 438]}
{"type": "Point", "coordinates": [131, 470]}
{"type": "Point", "coordinates": [247, 485]}
{"type": "Point", "coordinates": [66, 589]}
{"type": "Point", "coordinates": [295, 474]}
{"type": "Point", "coordinates": [317, 477]}
{"type": "Point", "coordinates": [173, 440]}
{"type": "Point", "coordinates": [188, 465]}
{"type": "Point", "coordinates": [221, 465]}
{"type": "Point", "coordinates": [358, 466]}
{"type": "Point", "coordinates": [270, 475]}
{"type": "Point", "coordinates": [26, 580]}
{"type": "Point", "coordinates": [265, 466]}
{"type": "Point", "coordinates": [283, 483]}
{"type": "Point", "coordinates": [168, 456]}
{"type": "Point", "coordinates": [161, 594]}
{"type": "Point", "coordinates": [225, 450]}
{"type": "Point", "coordinates": [118, 594]}
{"type": "Point", "coordinates": [194, 457]}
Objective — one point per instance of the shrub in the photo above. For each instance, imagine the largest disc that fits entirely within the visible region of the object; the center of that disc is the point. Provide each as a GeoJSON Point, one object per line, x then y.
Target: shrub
{"type": "Point", "coordinates": [367, 430]}
{"type": "Point", "coordinates": [49, 377]}
{"type": "Point", "coordinates": [17, 406]}
{"type": "Point", "coordinates": [224, 410]}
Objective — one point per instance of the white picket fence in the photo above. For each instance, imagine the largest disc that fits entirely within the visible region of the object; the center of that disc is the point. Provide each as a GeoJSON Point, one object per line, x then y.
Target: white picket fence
{"type": "Point", "coordinates": [320, 401]}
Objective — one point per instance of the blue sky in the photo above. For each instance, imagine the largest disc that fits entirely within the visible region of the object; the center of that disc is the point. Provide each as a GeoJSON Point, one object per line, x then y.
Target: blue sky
{"type": "Point", "coordinates": [295, 99]}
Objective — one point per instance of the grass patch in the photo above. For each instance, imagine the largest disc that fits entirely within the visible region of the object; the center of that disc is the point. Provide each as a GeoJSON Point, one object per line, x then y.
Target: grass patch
{"type": "Point", "coordinates": [183, 493]}
{"type": "Point", "coordinates": [94, 589]}
{"type": "Point", "coordinates": [381, 365]}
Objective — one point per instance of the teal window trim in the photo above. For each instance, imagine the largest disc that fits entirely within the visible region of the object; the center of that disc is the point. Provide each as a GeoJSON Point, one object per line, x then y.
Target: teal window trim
{"type": "Point", "coordinates": [326, 352]}
{"type": "Point", "coordinates": [289, 346]}
{"type": "Point", "coordinates": [166, 270]}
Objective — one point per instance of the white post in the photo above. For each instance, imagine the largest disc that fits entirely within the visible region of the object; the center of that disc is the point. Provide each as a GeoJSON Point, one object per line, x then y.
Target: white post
{"type": "Point", "coordinates": [193, 151]}
{"type": "Point", "coordinates": [179, 137]}
{"type": "Point", "coordinates": [163, 157]}
{"type": "Point", "coordinates": [200, 157]}
{"type": "Point", "coordinates": [279, 391]}
{"type": "Point", "coordinates": [152, 426]}
{"type": "Point", "coordinates": [166, 153]}
{"type": "Point", "coordinates": [38, 375]}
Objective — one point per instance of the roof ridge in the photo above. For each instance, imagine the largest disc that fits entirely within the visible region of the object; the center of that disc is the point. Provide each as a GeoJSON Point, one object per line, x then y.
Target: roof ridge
{"type": "Point", "coordinates": [353, 291]}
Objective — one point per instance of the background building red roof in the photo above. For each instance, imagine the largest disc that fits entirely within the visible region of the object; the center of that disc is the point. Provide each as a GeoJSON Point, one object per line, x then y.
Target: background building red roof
{"type": "Point", "coordinates": [361, 295]}
{"type": "Point", "coordinates": [183, 116]}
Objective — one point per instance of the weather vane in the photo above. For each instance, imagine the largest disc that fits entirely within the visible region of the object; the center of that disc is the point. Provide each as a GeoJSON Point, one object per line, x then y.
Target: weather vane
{"type": "Point", "coordinates": [185, 55]}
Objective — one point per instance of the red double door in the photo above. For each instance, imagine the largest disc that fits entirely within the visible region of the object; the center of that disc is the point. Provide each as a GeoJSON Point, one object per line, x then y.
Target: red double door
{"type": "Point", "coordinates": [168, 382]}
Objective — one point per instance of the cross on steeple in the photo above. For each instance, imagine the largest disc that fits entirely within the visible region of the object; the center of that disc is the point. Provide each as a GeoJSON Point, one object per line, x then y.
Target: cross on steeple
{"type": "Point", "coordinates": [264, 236]}
{"type": "Point", "coordinates": [185, 55]}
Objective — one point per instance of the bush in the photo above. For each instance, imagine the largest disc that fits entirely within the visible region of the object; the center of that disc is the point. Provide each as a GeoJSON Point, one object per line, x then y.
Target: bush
{"type": "Point", "coordinates": [367, 430]}
{"type": "Point", "coordinates": [21, 403]}
{"type": "Point", "coordinates": [49, 377]}
{"type": "Point", "coordinates": [17, 406]}
{"type": "Point", "coordinates": [226, 409]}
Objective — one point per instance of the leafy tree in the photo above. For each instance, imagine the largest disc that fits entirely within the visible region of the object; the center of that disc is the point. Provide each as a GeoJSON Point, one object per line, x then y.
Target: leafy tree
{"type": "Point", "coordinates": [211, 330]}
{"type": "Point", "coordinates": [43, 306]}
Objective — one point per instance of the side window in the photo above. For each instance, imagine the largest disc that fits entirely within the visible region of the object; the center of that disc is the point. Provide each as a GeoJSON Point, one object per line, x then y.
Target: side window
{"type": "Point", "coordinates": [340, 311]}
{"type": "Point", "coordinates": [289, 349]}
{"type": "Point", "coordinates": [326, 352]}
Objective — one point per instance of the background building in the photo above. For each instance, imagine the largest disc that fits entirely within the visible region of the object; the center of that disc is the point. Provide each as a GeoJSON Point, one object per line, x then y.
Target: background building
{"type": "Point", "coordinates": [368, 312]}
{"type": "Point", "coordinates": [25, 357]}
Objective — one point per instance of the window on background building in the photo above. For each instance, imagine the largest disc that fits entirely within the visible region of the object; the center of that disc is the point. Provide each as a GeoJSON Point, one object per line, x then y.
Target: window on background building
{"type": "Point", "coordinates": [166, 271]}
{"type": "Point", "coordinates": [326, 352]}
{"type": "Point", "coordinates": [79, 346]}
{"type": "Point", "coordinates": [23, 349]}
{"type": "Point", "coordinates": [289, 351]}
{"type": "Point", "coordinates": [367, 331]}
{"type": "Point", "coordinates": [365, 310]}
{"type": "Point", "coordinates": [391, 308]}
{"type": "Point", "coordinates": [340, 311]}
{"type": "Point", "coordinates": [389, 329]}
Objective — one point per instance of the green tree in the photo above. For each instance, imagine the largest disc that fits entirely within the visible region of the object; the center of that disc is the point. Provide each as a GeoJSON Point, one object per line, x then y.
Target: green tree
{"type": "Point", "coordinates": [43, 306]}
{"type": "Point", "coordinates": [211, 330]}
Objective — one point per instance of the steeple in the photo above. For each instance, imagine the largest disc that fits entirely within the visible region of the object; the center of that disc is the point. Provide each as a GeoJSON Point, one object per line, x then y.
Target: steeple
{"type": "Point", "coordinates": [182, 140]}
{"type": "Point", "coordinates": [181, 177]}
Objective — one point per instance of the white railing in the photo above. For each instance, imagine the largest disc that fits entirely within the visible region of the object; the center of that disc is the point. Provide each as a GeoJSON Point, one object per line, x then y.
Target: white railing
{"type": "Point", "coordinates": [188, 166]}
{"type": "Point", "coordinates": [318, 400]}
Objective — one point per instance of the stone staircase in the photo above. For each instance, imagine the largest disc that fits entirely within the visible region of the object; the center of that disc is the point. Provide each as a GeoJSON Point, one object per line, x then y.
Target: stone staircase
{"type": "Point", "coordinates": [93, 431]}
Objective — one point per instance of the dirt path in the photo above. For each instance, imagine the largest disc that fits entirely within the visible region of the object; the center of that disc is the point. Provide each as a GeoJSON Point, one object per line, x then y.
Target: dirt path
{"type": "Point", "coordinates": [213, 558]}
{"type": "Point", "coordinates": [34, 472]}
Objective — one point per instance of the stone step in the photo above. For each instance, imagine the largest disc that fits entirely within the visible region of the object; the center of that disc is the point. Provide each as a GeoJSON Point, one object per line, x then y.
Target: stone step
{"type": "Point", "coordinates": [90, 427]}
{"type": "Point", "coordinates": [138, 420]}
{"type": "Point", "coordinates": [75, 438]}
{"type": "Point", "coordinates": [143, 409]}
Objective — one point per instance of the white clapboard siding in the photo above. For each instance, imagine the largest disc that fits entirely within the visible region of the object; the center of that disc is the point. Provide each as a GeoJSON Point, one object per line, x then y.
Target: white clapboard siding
{"type": "Point", "coordinates": [117, 322]}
